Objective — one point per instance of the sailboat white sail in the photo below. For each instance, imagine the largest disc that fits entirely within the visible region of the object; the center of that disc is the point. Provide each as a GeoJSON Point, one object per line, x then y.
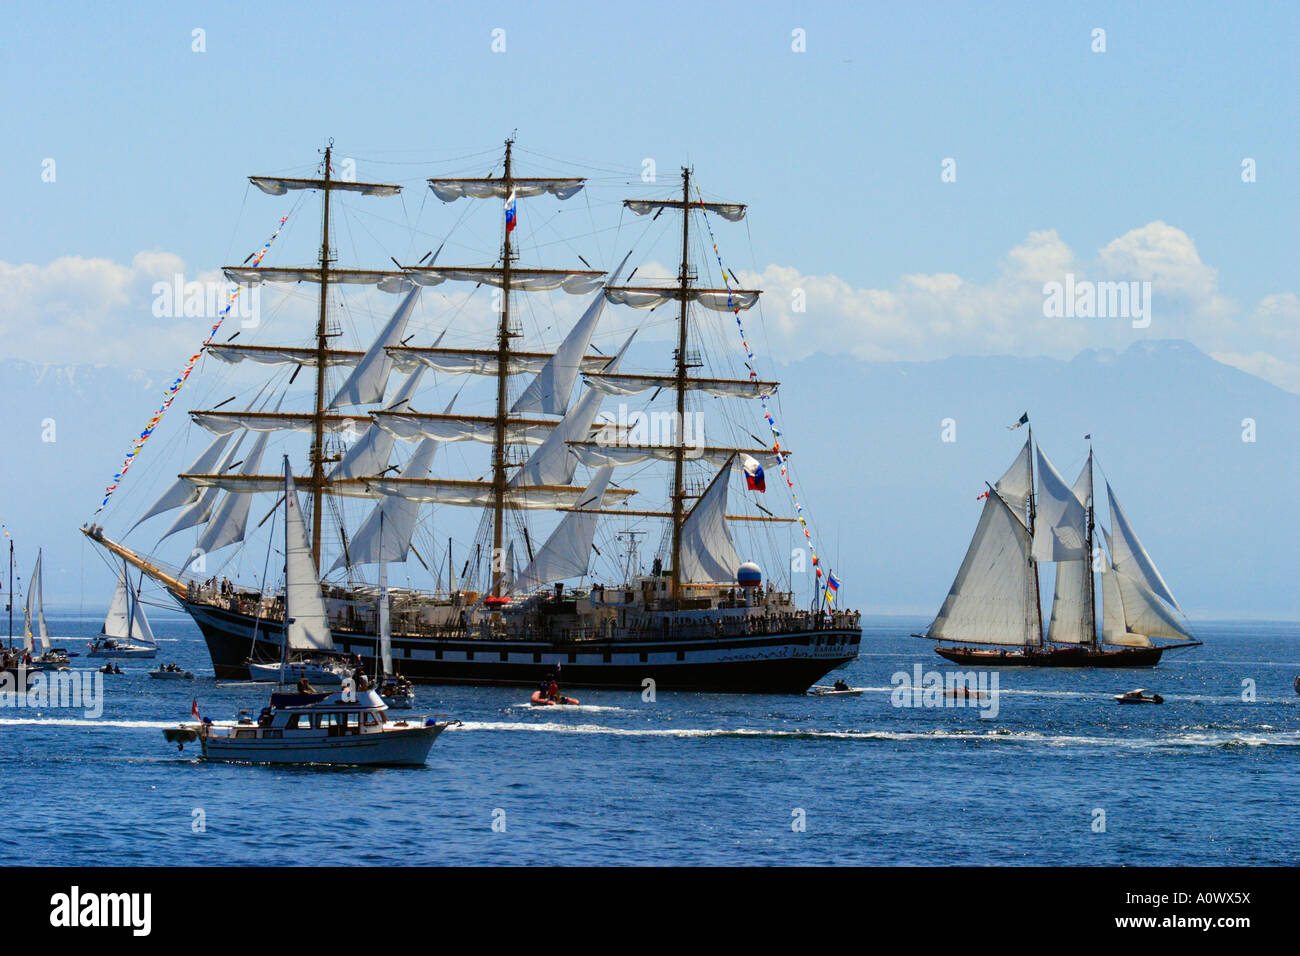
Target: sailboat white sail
{"type": "Point", "coordinates": [35, 606]}
{"type": "Point", "coordinates": [1073, 616]}
{"type": "Point", "coordinates": [1134, 612]}
{"type": "Point", "coordinates": [992, 599]}
{"type": "Point", "coordinates": [308, 627]}
{"type": "Point", "coordinates": [126, 620]}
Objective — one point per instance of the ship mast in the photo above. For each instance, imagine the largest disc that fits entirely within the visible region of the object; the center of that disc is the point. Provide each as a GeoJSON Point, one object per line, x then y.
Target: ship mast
{"type": "Point", "coordinates": [1036, 630]}
{"type": "Point", "coordinates": [1091, 617]}
{"type": "Point", "coordinates": [503, 376]}
{"type": "Point", "coordinates": [679, 449]}
{"type": "Point", "coordinates": [318, 419]}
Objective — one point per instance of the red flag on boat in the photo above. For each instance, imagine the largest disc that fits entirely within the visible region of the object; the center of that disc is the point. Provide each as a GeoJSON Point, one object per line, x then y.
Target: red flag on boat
{"type": "Point", "coordinates": [194, 709]}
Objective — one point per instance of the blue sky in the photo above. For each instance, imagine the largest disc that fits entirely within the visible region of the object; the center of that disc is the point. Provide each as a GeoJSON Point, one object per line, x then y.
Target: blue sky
{"type": "Point", "coordinates": [838, 148]}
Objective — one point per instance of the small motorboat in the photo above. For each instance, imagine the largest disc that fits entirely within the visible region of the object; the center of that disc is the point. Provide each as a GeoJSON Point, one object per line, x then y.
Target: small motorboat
{"type": "Point", "coordinates": [540, 700]}
{"type": "Point", "coordinates": [171, 672]}
{"type": "Point", "coordinates": [327, 672]}
{"type": "Point", "coordinates": [110, 668]}
{"type": "Point", "coordinates": [835, 690]}
{"type": "Point", "coordinates": [397, 692]}
{"type": "Point", "coordinates": [1139, 696]}
{"type": "Point", "coordinates": [340, 728]}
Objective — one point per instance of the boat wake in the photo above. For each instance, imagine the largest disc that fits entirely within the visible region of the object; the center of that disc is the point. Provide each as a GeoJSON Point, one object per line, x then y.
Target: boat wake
{"type": "Point", "coordinates": [567, 708]}
{"type": "Point", "coordinates": [82, 722]}
{"type": "Point", "coordinates": [1237, 738]}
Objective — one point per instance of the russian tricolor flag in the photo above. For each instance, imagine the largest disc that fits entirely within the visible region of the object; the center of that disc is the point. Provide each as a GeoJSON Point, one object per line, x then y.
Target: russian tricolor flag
{"type": "Point", "coordinates": [510, 212]}
{"type": "Point", "coordinates": [753, 474]}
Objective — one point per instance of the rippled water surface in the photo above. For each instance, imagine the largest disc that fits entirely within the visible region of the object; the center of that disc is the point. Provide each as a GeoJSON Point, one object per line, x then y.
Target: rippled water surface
{"type": "Point", "coordinates": [1206, 778]}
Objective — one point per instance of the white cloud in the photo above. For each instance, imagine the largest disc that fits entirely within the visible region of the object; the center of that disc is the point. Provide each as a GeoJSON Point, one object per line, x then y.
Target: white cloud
{"type": "Point", "coordinates": [95, 310]}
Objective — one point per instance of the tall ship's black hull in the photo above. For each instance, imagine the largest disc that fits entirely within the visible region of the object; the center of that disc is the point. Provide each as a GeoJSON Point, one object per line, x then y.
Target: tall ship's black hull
{"type": "Point", "coordinates": [1055, 657]}
{"type": "Point", "coordinates": [777, 662]}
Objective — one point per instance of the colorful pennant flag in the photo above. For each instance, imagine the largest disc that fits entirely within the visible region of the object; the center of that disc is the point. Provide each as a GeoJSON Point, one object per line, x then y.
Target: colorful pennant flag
{"type": "Point", "coordinates": [174, 388]}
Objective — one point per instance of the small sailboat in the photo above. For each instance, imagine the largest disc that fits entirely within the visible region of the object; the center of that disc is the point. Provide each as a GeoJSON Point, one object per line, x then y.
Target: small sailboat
{"type": "Point", "coordinates": [49, 658]}
{"type": "Point", "coordinates": [994, 603]}
{"type": "Point", "coordinates": [126, 630]}
{"type": "Point", "coordinates": [347, 727]}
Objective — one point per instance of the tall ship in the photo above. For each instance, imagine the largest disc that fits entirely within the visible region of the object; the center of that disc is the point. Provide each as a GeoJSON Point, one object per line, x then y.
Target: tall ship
{"type": "Point", "coordinates": [520, 599]}
{"type": "Point", "coordinates": [993, 615]}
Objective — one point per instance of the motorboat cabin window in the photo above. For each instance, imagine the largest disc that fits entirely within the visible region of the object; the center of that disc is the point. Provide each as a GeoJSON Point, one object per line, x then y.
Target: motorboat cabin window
{"type": "Point", "coordinates": [370, 719]}
{"type": "Point", "coordinates": [352, 723]}
{"type": "Point", "coordinates": [299, 722]}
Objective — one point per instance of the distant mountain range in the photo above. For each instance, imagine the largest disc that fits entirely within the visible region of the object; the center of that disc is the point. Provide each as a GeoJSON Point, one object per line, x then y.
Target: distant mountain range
{"type": "Point", "coordinates": [891, 504]}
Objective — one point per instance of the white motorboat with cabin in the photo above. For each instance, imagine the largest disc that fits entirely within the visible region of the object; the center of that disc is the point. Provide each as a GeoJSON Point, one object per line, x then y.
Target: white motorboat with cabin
{"type": "Point", "coordinates": [126, 630]}
{"type": "Point", "coordinates": [346, 727]}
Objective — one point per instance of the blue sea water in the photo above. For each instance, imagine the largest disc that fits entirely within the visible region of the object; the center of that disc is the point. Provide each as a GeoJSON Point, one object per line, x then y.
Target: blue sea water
{"type": "Point", "coordinates": [1207, 778]}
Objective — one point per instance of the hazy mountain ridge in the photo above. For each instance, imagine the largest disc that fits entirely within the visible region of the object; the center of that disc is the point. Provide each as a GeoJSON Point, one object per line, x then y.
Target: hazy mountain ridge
{"type": "Point", "coordinates": [891, 505]}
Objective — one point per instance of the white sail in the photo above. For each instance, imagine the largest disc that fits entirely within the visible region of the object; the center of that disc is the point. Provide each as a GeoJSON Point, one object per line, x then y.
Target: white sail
{"type": "Point", "coordinates": [1072, 620]}
{"type": "Point", "coordinates": [369, 454]}
{"type": "Point", "coordinates": [632, 384]}
{"type": "Point", "coordinates": [273, 355]}
{"type": "Point", "coordinates": [594, 454]}
{"type": "Point", "coordinates": [411, 426]}
{"type": "Point", "coordinates": [223, 423]}
{"type": "Point", "coordinates": [1145, 615]}
{"type": "Point", "coordinates": [565, 553]}
{"type": "Point", "coordinates": [206, 500]}
{"type": "Point", "coordinates": [1016, 485]}
{"type": "Point", "coordinates": [730, 211]}
{"type": "Point", "coordinates": [553, 463]}
{"type": "Point", "coordinates": [1069, 621]}
{"type": "Point", "coordinates": [1131, 558]}
{"type": "Point", "coordinates": [308, 626]}
{"type": "Point", "coordinates": [1113, 630]}
{"type": "Point", "coordinates": [385, 620]}
{"type": "Point", "coordinates": [653, 298]}
{"type": "Point", "coordinates": [449, 361]}
{"type": "Point", "coordinates": [279, 185]}
{"type": "Point", "coordinates": [123, 606]}
{"type": "Point", "coordinates": [1059, 527]}
{"type": "Point", "coordinates": [386, 533]}
{"type": "Point", "coordinates": [230, 520]}
{"type": "Point", "coordinates": [707, 551]}
{"type": "Point", "coordinates": [575, 282]}
{"type": "Point", "coordinates": [183, 491]}
{"type": "Point", "coordinates": [549, 392]}
{"type": "Point", "coordinates": [510, 572]}
{"type": "Point", "coordinates": [369, 380]}
{"type": "Point", "coordinates": [35, 606]}
{"type": "Point", "coordinates": [449, 190]}
{"type": "Point", "coordinates": [992, 599]}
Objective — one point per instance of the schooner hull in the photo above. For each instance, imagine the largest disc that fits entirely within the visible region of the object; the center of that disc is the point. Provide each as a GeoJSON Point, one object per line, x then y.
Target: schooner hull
{"type": "Point", "coordinates": [1054, 657]}
{"type": "Point", "coordinates": [775, 663]}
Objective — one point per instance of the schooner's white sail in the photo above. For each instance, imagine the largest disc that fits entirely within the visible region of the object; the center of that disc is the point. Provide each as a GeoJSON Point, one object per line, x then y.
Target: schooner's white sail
{"type": "Point", "coordinates": [992, 600]}
{"type": "Point", "coordinates": [369, 379]}
{"type": "Point", "coordinates": [1073, 617]}
{"type": "Point", "coordinates": [1059, 526]}
{"type": "Point", "coordinates": [1131, 558]}
{"type": "Point", "coordinates": [1017, 484]}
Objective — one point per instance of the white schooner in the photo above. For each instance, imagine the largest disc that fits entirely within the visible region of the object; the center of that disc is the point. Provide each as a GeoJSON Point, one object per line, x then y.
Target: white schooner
{"type": "Point", "coordinates": [700, 618]}
{"type": "Point", "coordinates": [992, 615]}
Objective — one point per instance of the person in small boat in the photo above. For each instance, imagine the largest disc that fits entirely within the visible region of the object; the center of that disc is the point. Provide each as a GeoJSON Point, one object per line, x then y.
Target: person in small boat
{"type": "Point", "coordinates": [841, 685]}
{"type": "Point", "coordinates": [304, 685]}
{"type": "Point", "coordinates": [552, 689]}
